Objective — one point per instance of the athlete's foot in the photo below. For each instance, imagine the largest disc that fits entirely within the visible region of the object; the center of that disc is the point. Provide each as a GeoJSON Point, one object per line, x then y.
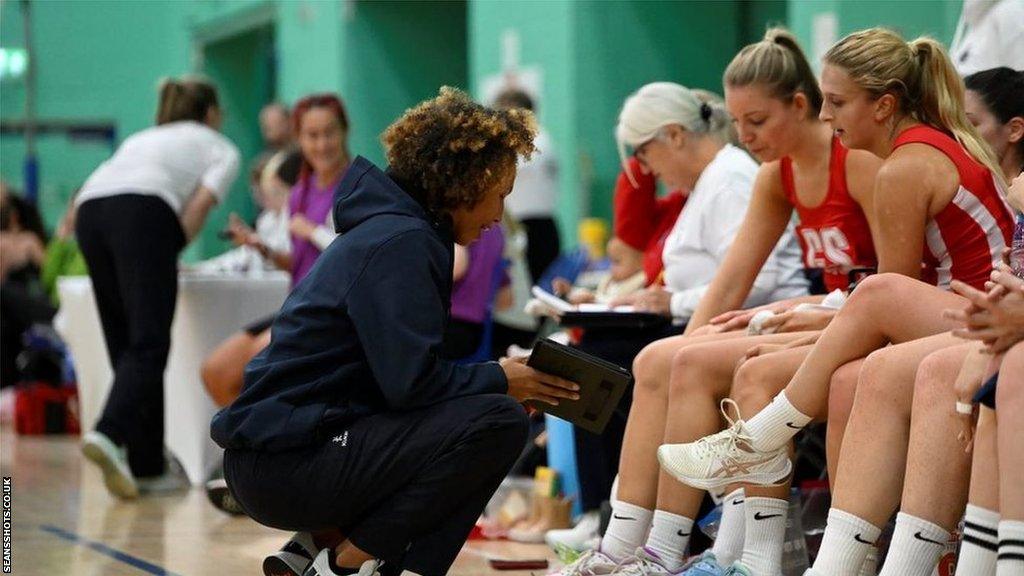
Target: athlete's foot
{"type": "Point", "coordinates": [728, 457]}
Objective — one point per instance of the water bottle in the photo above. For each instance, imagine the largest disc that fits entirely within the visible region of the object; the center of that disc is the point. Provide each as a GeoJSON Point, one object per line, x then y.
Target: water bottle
{"type": "Point", "coordinates": [1017, 248]}
{"type": "Point", "coordinates": [794, 549]}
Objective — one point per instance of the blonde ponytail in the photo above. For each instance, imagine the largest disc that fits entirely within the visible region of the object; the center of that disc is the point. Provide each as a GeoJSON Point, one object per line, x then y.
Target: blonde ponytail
{"type": "Point", "coordinates": [921, 77]}
{"type": "Point", "coordinates": [941, 101]}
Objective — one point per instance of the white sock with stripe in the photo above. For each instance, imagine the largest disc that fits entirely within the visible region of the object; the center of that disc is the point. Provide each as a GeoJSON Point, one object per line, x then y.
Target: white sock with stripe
{"type": "Point", "coordinates": [980, 544]}
{"type": "Point", "coordinates": [1011, 548]}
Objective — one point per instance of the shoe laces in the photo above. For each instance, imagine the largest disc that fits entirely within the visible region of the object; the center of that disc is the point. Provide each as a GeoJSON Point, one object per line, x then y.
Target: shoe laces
{"type": "Point", "coordinates": [585, 564]}
{"type": "Point", "coordinates": [642, 566]}
{"type": "Point", "coordinates": [724, 445]}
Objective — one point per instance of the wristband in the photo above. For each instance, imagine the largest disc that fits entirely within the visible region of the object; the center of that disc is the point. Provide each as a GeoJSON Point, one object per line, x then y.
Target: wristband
{"type": "Point", "coordinates": [964, 408]}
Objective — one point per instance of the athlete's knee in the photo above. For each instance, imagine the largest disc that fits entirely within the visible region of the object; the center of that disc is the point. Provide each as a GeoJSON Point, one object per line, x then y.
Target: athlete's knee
{"type": "Point", "coordinates": [877, 378]}
{"type": "Point", "coordinates": [749, 384]}
{"type": "Point", "coordinates": [873, 290]}
{"type": "Point", "coordinates": [651, 370]}
{"type": "Point", "coordinates": [935, 377]}
{"type": "Point", "coordinates": [688, 374]}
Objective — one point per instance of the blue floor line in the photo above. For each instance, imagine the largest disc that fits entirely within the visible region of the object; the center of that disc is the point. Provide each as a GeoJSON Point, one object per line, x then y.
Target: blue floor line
{"type": "Point", "coordinates": [108, 551]}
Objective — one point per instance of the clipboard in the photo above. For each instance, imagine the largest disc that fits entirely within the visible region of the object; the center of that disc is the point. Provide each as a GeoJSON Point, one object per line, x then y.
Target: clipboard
{"type": "Point", "coordinates": [602, 384]}
{"type": "Point", "coordinates": [597, 315]}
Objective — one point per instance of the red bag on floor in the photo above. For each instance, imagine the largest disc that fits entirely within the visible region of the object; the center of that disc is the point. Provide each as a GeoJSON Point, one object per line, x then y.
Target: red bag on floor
{"type": "Point", "coordinates": [40, 408]}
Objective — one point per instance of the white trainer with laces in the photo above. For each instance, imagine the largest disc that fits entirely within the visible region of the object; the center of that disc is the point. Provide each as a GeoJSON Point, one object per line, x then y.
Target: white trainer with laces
{"type": "Point", "coordinates": [592, 563]}
{"type": "Point", "coordinates": [728, 457]}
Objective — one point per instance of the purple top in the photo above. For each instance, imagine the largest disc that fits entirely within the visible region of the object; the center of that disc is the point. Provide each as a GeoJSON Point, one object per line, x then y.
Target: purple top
{"type": "Point", "coordinates": [473, 293]}
{"type": "Point", "coordinates": [315, 204]}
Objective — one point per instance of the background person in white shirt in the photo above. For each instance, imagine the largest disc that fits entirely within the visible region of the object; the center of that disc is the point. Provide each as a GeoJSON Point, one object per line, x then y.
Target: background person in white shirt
{"type": "Point", "coordinates": [535, 194]}
{"type": "Point", "coordinates": [135, 214]}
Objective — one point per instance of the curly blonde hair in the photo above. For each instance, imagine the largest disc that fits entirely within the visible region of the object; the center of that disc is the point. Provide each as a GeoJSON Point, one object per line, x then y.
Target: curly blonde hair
{"type": "Point", "coordinates": [454, 149]}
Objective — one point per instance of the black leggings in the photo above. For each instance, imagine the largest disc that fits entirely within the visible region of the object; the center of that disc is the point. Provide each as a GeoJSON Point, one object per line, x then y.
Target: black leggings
{"type": "Point", "coordinates": [131, 244]}
{"type": "Point", "coordinates": [406, 487]}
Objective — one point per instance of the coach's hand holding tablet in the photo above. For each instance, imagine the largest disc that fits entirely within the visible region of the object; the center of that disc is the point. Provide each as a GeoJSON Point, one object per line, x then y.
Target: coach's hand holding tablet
{"type": "Point", "coordinates": [526, 383]}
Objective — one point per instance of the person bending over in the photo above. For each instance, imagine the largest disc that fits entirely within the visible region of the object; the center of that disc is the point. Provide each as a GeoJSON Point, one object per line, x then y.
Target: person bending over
{"type": "Point", "coordinates": [350, 421]}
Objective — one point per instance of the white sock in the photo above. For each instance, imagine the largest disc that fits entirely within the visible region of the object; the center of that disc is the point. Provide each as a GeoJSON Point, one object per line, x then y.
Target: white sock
{"type": "Point", "coordinates": [870, 565]}
{"type": "Point", "coordinates": [729, 541]}
{"type": "Point", "coordinates": [626, 530]}
{"type": "Point", "coordinates": [670, 533]}
{"type": "Point", "coordinates": [1011, 548]}
{"type": "Point", "coordinates": [916, 547]}
{"type": "Point", "coordinates": [766, 533]}
{"type": "Point", "coordinates": [772, 427]}
{"type": "Point", "coordinates": [845, 544]}
{"type": "Point", "coordinates": [980, 544]}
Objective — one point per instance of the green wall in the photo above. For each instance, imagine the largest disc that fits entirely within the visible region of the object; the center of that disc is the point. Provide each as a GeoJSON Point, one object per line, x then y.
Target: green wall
{"type": "Point", "coordinates": [547, 32]}
{"type": "Point", "coordinates": [99, 61]}
{"type": "Point", "coordinates": [935, 18]}
{"type": "Point", "coordinates": [387, 67]}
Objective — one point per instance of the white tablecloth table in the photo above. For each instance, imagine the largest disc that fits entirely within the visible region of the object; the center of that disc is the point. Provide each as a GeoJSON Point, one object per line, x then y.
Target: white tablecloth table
{"type": "Point", "coordinates": [210, 308]}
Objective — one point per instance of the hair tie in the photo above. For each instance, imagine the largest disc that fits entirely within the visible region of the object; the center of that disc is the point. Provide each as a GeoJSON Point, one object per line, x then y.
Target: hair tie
{"type": "Point", "coordinates": [705, 113]}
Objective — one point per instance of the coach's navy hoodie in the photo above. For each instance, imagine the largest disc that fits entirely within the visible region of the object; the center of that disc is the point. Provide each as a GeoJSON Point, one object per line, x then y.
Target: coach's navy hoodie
{"type": "Point", "coordinates": [360, 334]}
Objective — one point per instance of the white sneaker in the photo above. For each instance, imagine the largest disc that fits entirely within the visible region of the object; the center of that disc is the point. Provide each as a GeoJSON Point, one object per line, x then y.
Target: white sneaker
{"type": "Point", "coordinates": [727, 457]}
{"type": "Point", "coordinates": [113, 461]}
{"type": "Point", "coordinates": [293, 558]}
{"type": "Point", "coordinates": [321, 566]}
{"type": "Point", "coordinates": [647, 563]}
{"type": "Point", "coordinates": [579, 538]}
{"type": "Point", "coordinates": [592, 563]}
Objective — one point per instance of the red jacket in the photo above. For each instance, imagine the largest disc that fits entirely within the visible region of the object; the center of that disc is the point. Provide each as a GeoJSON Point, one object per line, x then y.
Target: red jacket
{"type": "Point", "coordinates": [642, 220]}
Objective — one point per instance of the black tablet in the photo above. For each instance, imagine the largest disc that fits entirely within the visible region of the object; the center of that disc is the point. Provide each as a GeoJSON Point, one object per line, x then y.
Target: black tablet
{"type": "Point", "coordinates": [602, 384]}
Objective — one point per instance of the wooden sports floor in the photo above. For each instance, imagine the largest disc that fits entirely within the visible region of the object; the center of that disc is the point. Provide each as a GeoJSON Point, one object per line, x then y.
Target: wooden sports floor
{"type": "Point", "coordinates": [65, 523]}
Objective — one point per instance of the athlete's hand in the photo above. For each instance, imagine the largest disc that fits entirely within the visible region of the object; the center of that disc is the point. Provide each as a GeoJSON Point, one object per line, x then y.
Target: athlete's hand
{"type": "Point", "coordinates": [525, 383]}
{"type": "Point", "coordinates": [800, 320]}
{"type": "Point", "coordinates": [739, 319]}
{"type": "Point", "coordinates": [968, 382]}
{"type": "Point", "coordinates": [765, 349]}
{"type": "Point", "coordinates": [997, 322]}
